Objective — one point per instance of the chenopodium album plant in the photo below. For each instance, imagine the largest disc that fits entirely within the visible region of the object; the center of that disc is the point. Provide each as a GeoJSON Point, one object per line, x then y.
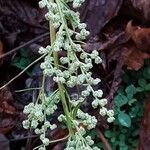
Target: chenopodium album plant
{"type": "Point", "coordinates": [73, 69]}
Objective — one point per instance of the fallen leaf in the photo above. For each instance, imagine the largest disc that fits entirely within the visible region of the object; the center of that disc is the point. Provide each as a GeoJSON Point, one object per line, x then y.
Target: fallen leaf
{"type": "Point", "coordinates": [6, 124]}
{"type": "Point", "coordinates": [97, 13]}
{"type": "Point", "coordinates": [134, 58]}
{"type": "Point", "coordinates": [5, 107]}
{"type": "Point", "coordinates": [25, 21]}
{"type": "Point", "coordinates": [58, 133]}
{"type": "Point", "coordinates": [132, 53]}
{"type": "Point", "coordinates": [59, 146]}
{"type": "Point", "coordinates": [140, 36]}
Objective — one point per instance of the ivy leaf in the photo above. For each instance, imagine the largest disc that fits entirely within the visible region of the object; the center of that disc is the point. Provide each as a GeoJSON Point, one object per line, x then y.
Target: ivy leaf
{"type": "Point", "coordinates": [124, 119]}
{"type": "Point", "coordinates": [130, 91]}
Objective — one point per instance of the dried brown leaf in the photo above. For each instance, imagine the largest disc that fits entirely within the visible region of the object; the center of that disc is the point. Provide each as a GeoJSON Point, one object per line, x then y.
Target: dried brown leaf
{"type": "Point", "coordinates": [133, 58]}
{"type": "Point", "coordinates": [140, 36]}
{"type": "Point", "coordinates": [6, 125]}
{"type": "Point", "coordinates": [58, 133]}
{"type": "Point", "coordinates": [97, 13]}
{"type": "Point", "coordinates": [5, 106]}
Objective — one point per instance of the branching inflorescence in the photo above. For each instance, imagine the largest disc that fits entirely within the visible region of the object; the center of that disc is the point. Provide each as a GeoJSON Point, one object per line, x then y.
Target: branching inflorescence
{"type": "Point", "coordinates": [67, 34]}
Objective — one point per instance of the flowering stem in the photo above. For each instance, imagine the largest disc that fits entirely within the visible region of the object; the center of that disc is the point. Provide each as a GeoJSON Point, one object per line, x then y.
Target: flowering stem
{"type": "Point", "coordinates": [60, 86]}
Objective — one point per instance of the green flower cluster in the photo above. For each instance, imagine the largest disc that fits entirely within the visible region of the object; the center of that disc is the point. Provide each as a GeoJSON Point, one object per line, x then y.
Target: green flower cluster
{"type": "Point", "coordinates": [37, 115]}
{"type": "Point", "coordinates": [82, 118]}
{"type": "Point", "coordinates": [68, 71]}
{"type": "Point", "coordinates": [80, 141]}
{"type": "Point", "coordinates": [86, 120]}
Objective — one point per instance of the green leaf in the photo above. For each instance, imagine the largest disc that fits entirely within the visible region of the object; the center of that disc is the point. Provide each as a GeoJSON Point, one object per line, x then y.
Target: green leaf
{"type": "Point", "coordinates": [22, 60]}
{"type": "Point", "coordinates": [124, 119]}
{"type": "Point", "coordinates": [108, 134]}
{"type": "Point", "coordinates": [113, 139]}
{"type": "Point", "coordinates": [139, 89]}
{"type": "Point", "coordinates": [134, 111]}
{"type": "Point", "coordinates": [123, 148]}
{"type": "Point", "coordinates": [93, 134]}
{"type": "Point", "coordinates": [130, 91]}
{"type": "Point", "coordinates": [122, 143]}
{"type": "Point", "coordinates": [21, 63]}
{"type": "Point", "coordinates": [120, 100]}
{"type": "Point", "coordinates": [122, 140]}
{"type": "Point", "coordinates": [99, 144]}
{"type": "Point", "coordinates": [142, 83]}
{"type": "Point", "coordinates": [132, 101]}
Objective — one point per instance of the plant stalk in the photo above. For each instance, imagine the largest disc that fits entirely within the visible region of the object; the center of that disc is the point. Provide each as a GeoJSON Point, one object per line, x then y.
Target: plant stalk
{"type": "Point", "coordinates": [60, 86]}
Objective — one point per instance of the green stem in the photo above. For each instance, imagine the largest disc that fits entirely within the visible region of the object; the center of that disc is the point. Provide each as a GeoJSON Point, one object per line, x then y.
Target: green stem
{"type": "Point", "coordinates": [64, 21]}
{"type": "Point", "coordinates": [60, 86]}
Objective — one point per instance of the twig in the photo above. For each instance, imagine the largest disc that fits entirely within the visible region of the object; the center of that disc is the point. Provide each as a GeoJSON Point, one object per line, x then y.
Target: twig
{"type": "Point", "coordinates": [23, 45]}
{"type": "Point", "coordinates": [29, 89]}
{"type": "Point", "coordinates": [103, 139]}
{"type": "Point", "coordinates": [59, 140]}
{"type": "Point", "coordinates": [54, 141]}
